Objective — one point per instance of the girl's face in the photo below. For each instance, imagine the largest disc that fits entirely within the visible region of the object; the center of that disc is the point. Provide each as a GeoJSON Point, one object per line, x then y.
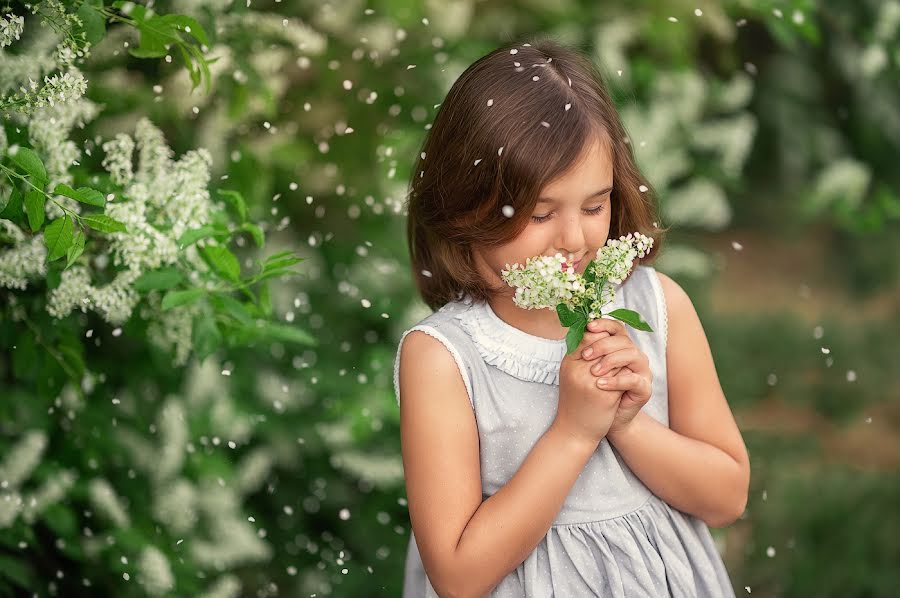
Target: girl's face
{"type": "Point", "coordinates": [573, 220]}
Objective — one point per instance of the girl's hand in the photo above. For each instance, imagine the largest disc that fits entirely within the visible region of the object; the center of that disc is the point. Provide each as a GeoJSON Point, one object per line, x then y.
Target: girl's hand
{"type": "Point", "coordinates": [618, 352]}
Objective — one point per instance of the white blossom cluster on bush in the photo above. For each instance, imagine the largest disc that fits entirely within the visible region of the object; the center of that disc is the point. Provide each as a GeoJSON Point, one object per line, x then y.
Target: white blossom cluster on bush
{"type": "Point", "coordinates": [160, 200]}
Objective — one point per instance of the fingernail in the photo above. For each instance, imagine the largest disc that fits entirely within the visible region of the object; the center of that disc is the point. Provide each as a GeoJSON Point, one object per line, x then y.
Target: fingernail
{"type": "Point", "coordinates": [588, 352]}
{"type": "Point", "coordinates": [602, 382]}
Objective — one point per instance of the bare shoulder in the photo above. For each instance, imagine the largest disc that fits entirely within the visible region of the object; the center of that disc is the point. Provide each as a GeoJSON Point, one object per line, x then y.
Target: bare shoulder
{"type": "Point", "coordinates": [440, 449]}
{"type": "Point", "coordinates": [676, 297]}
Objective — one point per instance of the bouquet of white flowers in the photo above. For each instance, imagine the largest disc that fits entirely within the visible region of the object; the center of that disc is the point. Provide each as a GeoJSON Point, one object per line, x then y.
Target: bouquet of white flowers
{"type": "Point", "coordinates": [552, 283]}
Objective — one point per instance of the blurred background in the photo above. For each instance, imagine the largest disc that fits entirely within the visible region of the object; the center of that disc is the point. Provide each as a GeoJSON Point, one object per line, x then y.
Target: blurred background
{"type": "Point", "coordinates": [223, 464]}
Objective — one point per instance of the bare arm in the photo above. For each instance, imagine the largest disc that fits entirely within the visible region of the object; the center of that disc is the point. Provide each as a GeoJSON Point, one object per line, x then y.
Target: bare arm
{"type": "Point", "coordinates": [691, 475]}
{"type": "Point", "coordinates": [508, 526]}
{"type": "Point", "coordinates": [467, 546]}
{"type": "Point", "coordinates": [699, 464]}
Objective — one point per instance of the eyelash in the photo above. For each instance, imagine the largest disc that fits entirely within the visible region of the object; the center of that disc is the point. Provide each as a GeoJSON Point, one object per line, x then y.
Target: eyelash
{"type": "Point", "coordinates": [592, 212]}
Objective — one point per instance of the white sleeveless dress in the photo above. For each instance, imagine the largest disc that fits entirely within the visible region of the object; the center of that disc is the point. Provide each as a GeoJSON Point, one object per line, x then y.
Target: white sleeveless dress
{"type": "Point", "coordinates": [612, 537]}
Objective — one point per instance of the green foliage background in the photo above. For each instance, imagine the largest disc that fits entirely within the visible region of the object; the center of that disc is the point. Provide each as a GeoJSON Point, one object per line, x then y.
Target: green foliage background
{"type": "Point", "coordinates": [769, 131]}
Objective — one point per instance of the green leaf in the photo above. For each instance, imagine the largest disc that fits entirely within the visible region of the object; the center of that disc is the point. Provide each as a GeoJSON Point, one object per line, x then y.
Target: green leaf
{"type": "Point", "coordinates": [30, 164]}
{"type": "Point", "coordinates": [223, 262]}
{"type": "Point", "coordinates": [76, 249]}
{"type": "Point", "coordinates": [575, 334]}
{"type": "Point", "coordinates": [18, 571]}
{"type": "Point", "coordinates": [13, 207]}
{"type": "Point", "coordinates": [179, 298]}
{"type": "Point", "coordinates": [92, 197]}
{"type": "Point", "coordinates": [155, 36]}
{"type": "Point", "coordinates": [94, 25]}
{"type": "Point", "coordinates": [567, 316]}
{"type": "Point", "coordinates": [281, 263]}
{"type": "Point", "coordinates": [58, 237]}
{"type": "Point", "coordinates": [632, 318]}
{"type": "Point", "coordinates": [158, 280]}
{"type": "Point", "coordinates": [103, 223]}
{"type": "Point", "coordinates": [265, 300]}
{"type": "Point", "coordinates": [290, 334]}
{"type": "Point", "coordinates": [206, 337]}
{"type": "Point", "coordinates": [236, 201]}
{"type": "Point", "coordinates": [590, 273]}
{"type": "Point", "coordinates": [192, 236]}
{"type": "Point", "coordinates": [231, 306]}
{"type": "Point", "coordinates": [34, 207]}
{"type": "Point", "coordinates": [256, 232]}
{"type": "Point", "coordinates": [189, 26]}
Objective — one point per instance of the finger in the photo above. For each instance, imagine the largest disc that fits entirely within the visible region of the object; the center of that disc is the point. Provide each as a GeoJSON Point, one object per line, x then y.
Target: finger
{"type": "Point", "coordinates": [626, 380]}
{"type": "Point", "coordinates": [587, 340]}
{"type": "Point", "coordinates": [606, 345]}
{"type": "Point", "coordinates": [613, 326]}
{"type": "Point", "coordinates": [612, 360]}
{"type": "Point", "coordinates": [629, 356]}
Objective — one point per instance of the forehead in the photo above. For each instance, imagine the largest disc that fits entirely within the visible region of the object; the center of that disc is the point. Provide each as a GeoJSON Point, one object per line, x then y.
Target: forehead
{"type": "Point", "coordinates": [592, 171]}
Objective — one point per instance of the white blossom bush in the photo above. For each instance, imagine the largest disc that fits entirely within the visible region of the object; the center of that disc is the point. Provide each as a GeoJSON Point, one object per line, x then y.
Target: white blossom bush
{"type": "Point", "coordinates": [116, 237]}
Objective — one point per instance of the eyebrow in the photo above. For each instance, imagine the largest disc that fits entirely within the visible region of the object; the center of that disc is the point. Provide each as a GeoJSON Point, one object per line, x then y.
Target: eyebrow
{"type": "Point", "coordinates": [592, 195]}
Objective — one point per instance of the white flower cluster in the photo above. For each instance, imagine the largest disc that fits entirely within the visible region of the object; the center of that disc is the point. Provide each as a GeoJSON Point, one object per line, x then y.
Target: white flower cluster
{"type": "Point", "coordinates": [161, 200]}
{"type": "Point", "coordinates": [165, 198]}
{"type": "Point", "coordinates": [154, 572]}
{"type": "Point", "coordinates": [172, 333]}
{"type": "Point", "coordinates": [118, 159]}
{"type": "Point", "coordinates": [22, 458]}
{"type": "Point", "coordinates": [615, 260]}
{"type": "Point", "coordinates": [10, 29]}
{"type": "Point", "coordinates": [57, 89]}
{"type": "Point", "coordinates": [114, 301]}
{"type": "Point", "coordinates": [227, 586]}
{"type": "Point", "coordinates": [22, 262]}
{"type": "Point", "coordinates": [48, 131]}
{"type": "Point", "coordinates": [16, 468]}
{"type": "Point", "coordinates": [105, 500]}
{"type": "Point", "coordinates": [545, 281]}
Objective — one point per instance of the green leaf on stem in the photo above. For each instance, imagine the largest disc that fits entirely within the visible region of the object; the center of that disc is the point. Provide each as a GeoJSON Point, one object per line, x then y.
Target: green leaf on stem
{"type": "Point", "coordinates": [13, 208]}
{"type": "Point", "coordinates": [190, 237]}
{"type": "Point", "coordinates": [93, 23]}
{"type": "Point", "coordinates": [575, 334]}
{"type": "Point", "coordinates": [632, 318]}
{"type": "Point", "coordinates": [158, 280]}
{"type": "Point", "coordinates": [75, 249]}
{"type": "Point", "coordinates": [223, 262]}
{"type": "Point", "coordinates": [34, 208]}
{"type": "Point", "coordinates": [567, 316]}
{"type": "Point", "coordinates": [188, 25]}
{"type": "Point", "coordinates": [30, 163]}
{"type": "Point", "coordinates": [58, 237]}
{"type": "Point", "coordinates": [255, 232]}
{"type": "Point", "coordinates": [206, 337]}
{"type": "Point", "coordinates": [86, 195]}
{"type": "Point", "coordinates": [103, 223]}
{"type": "Point", "coordinates": [236, 201]}
{"type": "Point", "coordinates": [179, 298]}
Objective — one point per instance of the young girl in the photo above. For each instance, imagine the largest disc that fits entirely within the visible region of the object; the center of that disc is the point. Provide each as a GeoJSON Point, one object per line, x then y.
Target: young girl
{"type": "Point", "coordinates": [525, 476]}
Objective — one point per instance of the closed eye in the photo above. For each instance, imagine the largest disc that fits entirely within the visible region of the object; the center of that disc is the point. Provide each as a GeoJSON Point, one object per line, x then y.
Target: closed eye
{"type": "Point", "coordinates": [592, 212]}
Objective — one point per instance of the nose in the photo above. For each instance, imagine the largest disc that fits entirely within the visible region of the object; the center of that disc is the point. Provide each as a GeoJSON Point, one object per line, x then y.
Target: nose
{"type": "Point", "coordinates": [572, 238]}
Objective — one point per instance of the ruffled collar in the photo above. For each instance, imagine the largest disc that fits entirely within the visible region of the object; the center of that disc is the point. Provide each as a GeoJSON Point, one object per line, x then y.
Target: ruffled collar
{"type": "Point", "coordinates": [514, 351]}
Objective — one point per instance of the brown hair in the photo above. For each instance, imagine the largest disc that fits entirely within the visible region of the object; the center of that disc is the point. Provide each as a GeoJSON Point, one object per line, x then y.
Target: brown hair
{"type": "Point", "coordinates": [494, 114]}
